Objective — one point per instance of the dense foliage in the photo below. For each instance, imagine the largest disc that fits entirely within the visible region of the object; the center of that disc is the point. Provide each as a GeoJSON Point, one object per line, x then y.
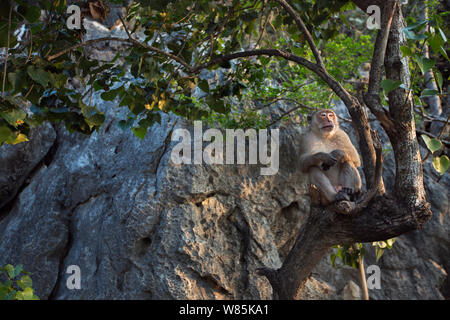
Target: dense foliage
{"type": "Point", "coordinates": [15, 287]}
{"type": "Point", "coordinates": [146, 81]}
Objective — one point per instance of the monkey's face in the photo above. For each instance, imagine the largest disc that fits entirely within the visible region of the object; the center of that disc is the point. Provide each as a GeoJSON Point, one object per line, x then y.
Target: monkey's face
{"type": "Point", "coordinates": [325, 122]}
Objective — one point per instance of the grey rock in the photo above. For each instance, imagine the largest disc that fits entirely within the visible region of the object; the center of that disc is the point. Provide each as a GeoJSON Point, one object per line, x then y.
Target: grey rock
{"type": "Point", "coordinates": [18, 161]}
{"type": "Point", "coordinates": [351, 291]}
{"type": "Point", "coordinates": [141, 227]}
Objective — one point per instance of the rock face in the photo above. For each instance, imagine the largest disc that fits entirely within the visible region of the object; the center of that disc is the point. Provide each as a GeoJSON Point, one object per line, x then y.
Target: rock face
{"type": "Point", "coordinates": [17, 162]}
{"type": "Point", "coordinates": [141, 227]}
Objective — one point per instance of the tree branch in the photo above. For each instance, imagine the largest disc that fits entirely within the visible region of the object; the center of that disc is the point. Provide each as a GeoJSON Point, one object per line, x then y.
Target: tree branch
{"type": "Point", "coordinates": [131, 41]}
{"type": "Point", "coordinates": [299, 105]}
{"type": "Point", "coordinates": [409, 178]}
{"type": "Point", "coordinates": [301, 25]}
{"type": "Point", "coordinates": [7, 50]}
{"type": "Point", "coordinates": [372, 97]}
{"type": "Point", "coordinates": [383, 219]}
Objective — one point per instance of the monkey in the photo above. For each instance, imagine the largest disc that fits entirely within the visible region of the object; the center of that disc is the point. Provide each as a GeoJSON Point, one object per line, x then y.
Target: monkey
{"type": "Point", "coordinates": [330, 159]}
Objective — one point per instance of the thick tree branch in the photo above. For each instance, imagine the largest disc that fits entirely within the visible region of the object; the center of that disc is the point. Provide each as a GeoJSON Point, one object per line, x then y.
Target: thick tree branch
{"type": "Point", "coordinates": [409, 179]}
{"type": "Point", "coordinates": [383, 219]}
{"type": "Point", "coordinates": [301, 25]}
{"type": "Point", "coordinates": [372, 97]}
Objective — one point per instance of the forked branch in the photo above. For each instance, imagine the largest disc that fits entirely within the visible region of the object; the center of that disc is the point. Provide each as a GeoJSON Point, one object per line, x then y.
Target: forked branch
{"type": "Point", "coordinates": [372, 97]}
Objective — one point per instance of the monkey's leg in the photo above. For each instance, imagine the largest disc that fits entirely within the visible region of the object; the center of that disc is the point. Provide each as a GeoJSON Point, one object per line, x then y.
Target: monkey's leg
{"type": "Point", "coordinates": [321, 181]}
{"type": "Point", "coordinates": [349, 179]}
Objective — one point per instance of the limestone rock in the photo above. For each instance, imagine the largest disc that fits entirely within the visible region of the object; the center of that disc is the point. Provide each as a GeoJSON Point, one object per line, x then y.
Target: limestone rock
{"type": "Point", "coordinates": [351, 291]}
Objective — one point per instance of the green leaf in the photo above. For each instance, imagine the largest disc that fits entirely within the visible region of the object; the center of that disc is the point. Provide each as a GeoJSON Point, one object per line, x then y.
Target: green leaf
{"type": "Point", "coordinates": [406, 51]}
{"type": "Point", "coordinates": [17, 79]}
{"type": "Point", "coordinates": [18, 138]}
{"type": "Point", "coordinates": [14, 117]}
{"type": "Point", "coordinates": [3, 291]}
{"type": "Point", "coordinates": [264, 60]}
{"type": "Point", "coordinates": [204, 85]}
{"type": "Point", "coordinates": [389, 85]}
{"type": "Point", "coordinates": [437, 44]}
{"type": "Point", "coordinates": [333, 258]}
{"type": "Point", "coordinates": [442, 34]}
{"type": "Point", "coordinates": [390, 243]}
{"type": "Point", "coordinates": [411, 35]}
{"type": "Point", "coordinates": [432, 144]}
{"type": "Point", "coordinates": [5, 134]}
{"type": "Point", "coordinates": [10, 270]}
{"type": "Point", "coordinates": [25, 282]}
{"type": "Point", "coordinates": [418, 25]}
{"type": "Point", "coordinates": [297, 51]}
{"type": "Point", "coordinates": [429, 93]}
{"type": "Point", "coordinates": [4, 36]}
{"type": "Point", "coordinates": [441, 164]}
{"type": "Point", "coordinates": [31, 13]}
{"type": "Point", "coordinates": [216, 104]}
{"type": "Point", "coordinates": [378, 253]}
{"type": "Point", "coordinates": [17, 270]}
{"type": "Point", "coordinates": [28, 294]}
{"type": "Point", "coordinates": [339, 253]}
{"type": "Point", "coordinates": [125, 124]}
{"type": "Point", "coordinates": [11, 295]}
{"type": "Point", "coordinates": [425, 64]}
{"type": "Point", "coordinates": [111, 94]}
{"type": "Point", "coordinates": [96, 120]}
{"type": "Point", "coordinates": [92, 115]}
{"type": "Point", "coordinates": [40, 76]}
{"type": "Point", "coordinates": [439, 79]}
{"type": "Point", "coordinates": [140, 132]}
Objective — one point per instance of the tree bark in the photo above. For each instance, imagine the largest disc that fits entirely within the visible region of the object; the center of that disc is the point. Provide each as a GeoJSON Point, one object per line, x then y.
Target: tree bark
{"type": "Point", "coordinates": [408, 180]}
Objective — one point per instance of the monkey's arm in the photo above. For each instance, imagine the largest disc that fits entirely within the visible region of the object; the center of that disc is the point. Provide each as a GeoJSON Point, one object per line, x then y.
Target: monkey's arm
{"type": "Point", "coordinates": [348, 152]}
{"type": "Point", "coordinates": [310, 158]}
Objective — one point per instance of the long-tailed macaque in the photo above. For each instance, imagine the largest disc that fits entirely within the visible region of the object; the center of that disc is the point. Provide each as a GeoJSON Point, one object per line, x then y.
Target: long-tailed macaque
{"type": "Point", "coordinates": [330, 159]}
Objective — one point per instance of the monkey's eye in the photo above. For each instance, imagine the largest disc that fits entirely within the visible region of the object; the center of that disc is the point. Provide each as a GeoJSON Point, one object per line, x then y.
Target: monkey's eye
{"type": "Point", "coordinates": [331, 115]}
{"type": "Point", "coordinates": [323, 115]}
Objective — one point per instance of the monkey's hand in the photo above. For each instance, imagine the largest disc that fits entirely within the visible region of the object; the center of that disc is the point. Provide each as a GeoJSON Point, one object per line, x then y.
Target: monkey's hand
{"type": "Point", "coordinates": [327, 160]}
{"type": "Point", "coordinates": [339, 155]}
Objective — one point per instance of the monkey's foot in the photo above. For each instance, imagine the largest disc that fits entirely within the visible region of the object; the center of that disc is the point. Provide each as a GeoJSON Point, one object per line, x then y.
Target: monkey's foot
{"type": "Point", "coordinates": [343, 195]}
{"type": "Point", "coordinates": [344, 207]}
{"type": "Point", "coordinates": [346, 193]}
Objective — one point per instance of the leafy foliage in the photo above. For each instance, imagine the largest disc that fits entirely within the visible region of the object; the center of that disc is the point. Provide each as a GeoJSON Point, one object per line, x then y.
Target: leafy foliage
{"type": "Point", "coordinates": [16, 287]}
{"type": "Point", "coordinates": [381, 246]}
{"type": "Point", "coordinates": [432, 33]}
{"type": "Point", "coordinates": [348, 254]}
{"type": "Point", "coordinates": [38, 72]}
